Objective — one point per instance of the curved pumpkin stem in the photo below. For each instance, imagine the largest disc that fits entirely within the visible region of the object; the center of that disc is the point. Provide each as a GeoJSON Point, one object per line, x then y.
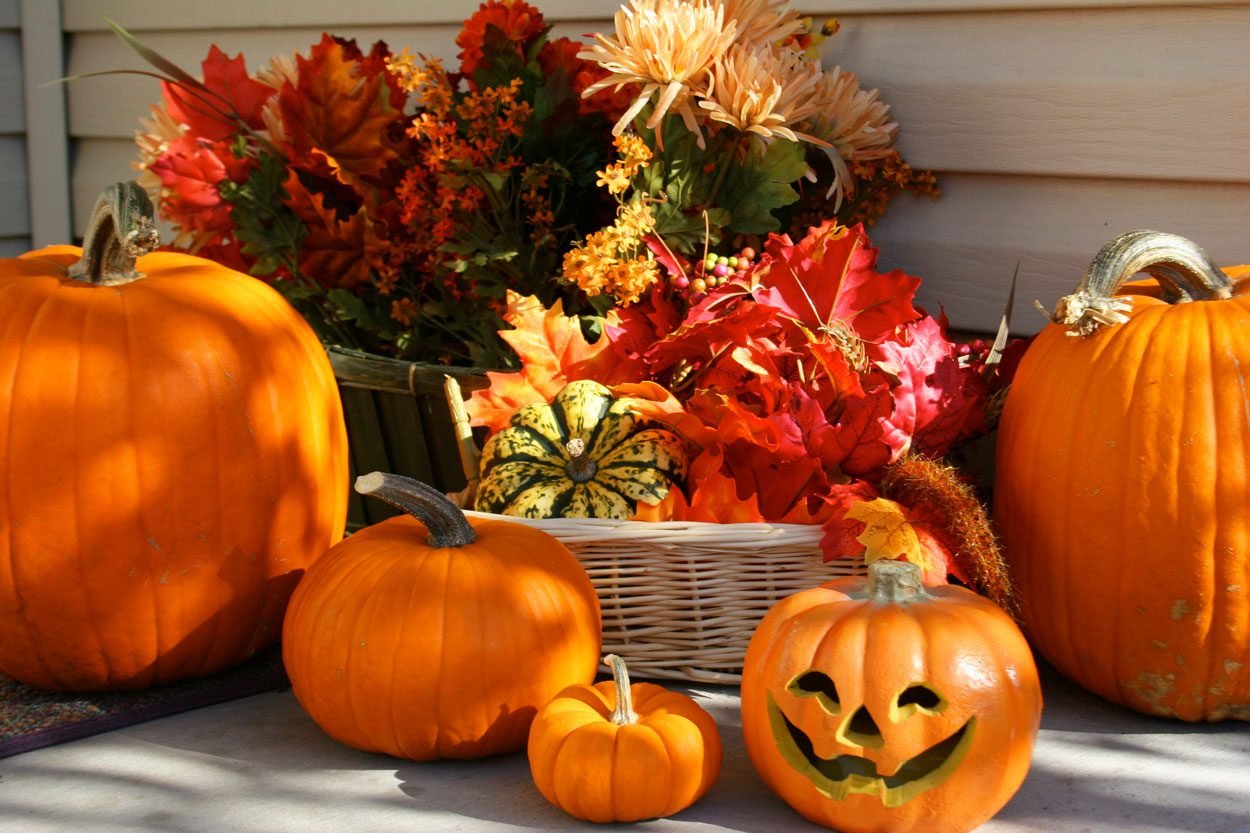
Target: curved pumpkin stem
{"type": "Point", "coordinates": [895, 581]}
{"type": "Point", "coordinates": [119, 231]}
{"type": "Point", "coordinates": [580, 467]}
{"type": "Point", "coordinates": [624, 713]}
{"type": "Point", "coordinates": [447, 524]}
{"type": "Point", "coordinates": [1180, 266]}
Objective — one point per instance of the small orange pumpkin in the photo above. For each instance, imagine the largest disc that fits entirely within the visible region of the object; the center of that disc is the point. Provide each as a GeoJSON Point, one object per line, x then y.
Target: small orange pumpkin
{"type": "Point", "coordinates": [432, 635]}
{"type": "Point", "coordinates": [1121, 490]}
{"type": "Point", "coordinates": [620, 752]}
{"type": "Point", "coordinates": [877, 706]}
{"type": "Point", "coordinates": [173, 457]}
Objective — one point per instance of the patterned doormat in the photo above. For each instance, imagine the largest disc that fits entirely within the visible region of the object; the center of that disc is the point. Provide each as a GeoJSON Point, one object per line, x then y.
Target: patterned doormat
{"type": "Point", "coordinates": [31, 718]}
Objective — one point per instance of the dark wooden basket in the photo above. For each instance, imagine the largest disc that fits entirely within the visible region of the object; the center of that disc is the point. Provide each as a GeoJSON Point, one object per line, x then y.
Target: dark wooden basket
{"type": "Point", "coordinates": [397, 421]}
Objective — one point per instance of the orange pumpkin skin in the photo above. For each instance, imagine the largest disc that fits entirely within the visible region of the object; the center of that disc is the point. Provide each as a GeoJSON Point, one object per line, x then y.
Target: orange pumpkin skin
{"type": "Point", "coordinates": [599, 770]}
{"type": "Point", "coordinates": [426, 652]}
{"type": "Point", "coordinates": [174, 456]}
{"type": "Point", "coordinates": [882, 658]}
{"type": "Point", "coordinates": [1121, 492]}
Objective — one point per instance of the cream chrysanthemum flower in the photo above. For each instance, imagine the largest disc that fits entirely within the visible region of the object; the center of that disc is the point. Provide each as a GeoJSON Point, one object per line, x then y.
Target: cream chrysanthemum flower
{"type": "Point", "coordinates": [279, 71]}
{"type": "Point", "coordinates": [762, 21]}
{"type": "Point", "coordinates": [856, 125]}
{"type": "Point", "coordinates": [667, 46]}
{"type": "Point", "coordinates": [764, 90]}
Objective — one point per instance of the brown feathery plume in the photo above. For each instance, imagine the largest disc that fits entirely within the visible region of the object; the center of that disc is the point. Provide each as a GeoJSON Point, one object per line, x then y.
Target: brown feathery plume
{"type": "Point", "coordinates": [915, 480]}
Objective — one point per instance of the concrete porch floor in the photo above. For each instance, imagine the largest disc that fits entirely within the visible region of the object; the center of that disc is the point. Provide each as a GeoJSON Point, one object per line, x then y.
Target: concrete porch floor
{"type": "Point", "coordinates": [260, 765]}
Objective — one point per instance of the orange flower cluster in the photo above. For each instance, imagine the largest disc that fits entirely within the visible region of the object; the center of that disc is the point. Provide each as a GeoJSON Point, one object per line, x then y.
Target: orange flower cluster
{"type": "Point", "coordinates": [381, 191]}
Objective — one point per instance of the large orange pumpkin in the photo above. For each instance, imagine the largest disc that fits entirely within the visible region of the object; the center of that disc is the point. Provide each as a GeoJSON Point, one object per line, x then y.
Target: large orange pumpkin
{"type": "Point", "coordinates": [878, 706]}
{"type": "Point", "coordinates": [1123, 482]}
{"type": "Point", "coordinates": [173, 457]}
{"type": "Point", "coordinates": [439, 637]}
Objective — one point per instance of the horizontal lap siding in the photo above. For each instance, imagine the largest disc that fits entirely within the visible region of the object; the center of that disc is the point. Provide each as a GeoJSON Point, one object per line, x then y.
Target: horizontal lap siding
{"type": "Point", "coordinates": [1052, 129]}
{"type": "Point", "coordinates": [14, 210]}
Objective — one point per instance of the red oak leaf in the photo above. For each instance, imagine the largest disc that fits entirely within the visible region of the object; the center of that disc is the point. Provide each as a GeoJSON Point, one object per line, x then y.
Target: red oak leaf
{"type": "Point", "coordinates": [553, 352]}
{"type": "Point", "coordinates": [829, 277]}
{"type": "Point", "coordinates": [340, 106]}
{"type": "Point", "coordinates": [232, 96]}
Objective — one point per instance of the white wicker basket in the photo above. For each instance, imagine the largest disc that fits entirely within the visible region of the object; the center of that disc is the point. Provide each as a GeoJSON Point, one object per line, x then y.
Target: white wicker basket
{"type": "Point", "coordinates": [681, 600]}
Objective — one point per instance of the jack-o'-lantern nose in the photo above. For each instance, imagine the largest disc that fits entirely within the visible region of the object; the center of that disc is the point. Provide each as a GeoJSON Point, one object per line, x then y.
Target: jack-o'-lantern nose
{"type": "Point", "coordinates": [861, 730]}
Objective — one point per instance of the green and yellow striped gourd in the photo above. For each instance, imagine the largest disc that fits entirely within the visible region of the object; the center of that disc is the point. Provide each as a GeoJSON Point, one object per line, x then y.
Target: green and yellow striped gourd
{"type": "Point", "coordinates": [585, 454]}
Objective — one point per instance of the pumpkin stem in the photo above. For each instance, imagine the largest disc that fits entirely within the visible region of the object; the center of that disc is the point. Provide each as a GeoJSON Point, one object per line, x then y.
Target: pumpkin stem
{"type": "Point", "coordinates": [895, 581]}
{"type": "Point", "coordinates": [624, 713]}
{"type": "Point", "coordinates": [447, 524]}
{"type": "Point", "coordinates": [580, 467]}
{"type": "Point", "coordinates": [119, 231]}
{"type": "Point", "coordinates": [1180, 266]}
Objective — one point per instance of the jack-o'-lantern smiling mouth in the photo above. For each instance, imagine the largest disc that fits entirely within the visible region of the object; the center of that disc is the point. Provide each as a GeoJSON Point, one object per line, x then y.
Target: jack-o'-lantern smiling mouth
{"type": "Point", "coordinates": [845, 775]}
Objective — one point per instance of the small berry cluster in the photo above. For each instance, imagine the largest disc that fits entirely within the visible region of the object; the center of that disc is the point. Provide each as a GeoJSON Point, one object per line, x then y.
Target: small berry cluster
{"type": "Point", "coordinates": [715, 270]}
{"type": "Point", "coordinates": [974, 353]}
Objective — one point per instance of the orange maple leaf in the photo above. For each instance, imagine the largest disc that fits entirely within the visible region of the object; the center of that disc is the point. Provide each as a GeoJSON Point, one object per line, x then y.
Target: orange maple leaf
{"type": "Point", "coordinates": [553, 352]}
{"type": "Point", "coordinates": [887, 532]}
{"type": "Point", "coordinates": [339, 112]}
{"type": "Point", "coordinates": [715, 501]}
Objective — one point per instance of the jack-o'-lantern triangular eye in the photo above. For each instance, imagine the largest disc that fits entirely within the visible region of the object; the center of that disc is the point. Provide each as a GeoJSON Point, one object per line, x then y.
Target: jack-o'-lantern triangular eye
{"type": "Point", "coordinates": [817, 684]}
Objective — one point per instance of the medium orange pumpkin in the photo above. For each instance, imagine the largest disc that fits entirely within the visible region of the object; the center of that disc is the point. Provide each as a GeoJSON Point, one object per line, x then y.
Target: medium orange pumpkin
{"type": "Point", "coordinates": [432, 635]}
{"type": "Point", "coordinates": [620, 752]}
{"type": "Point", "coordinates": [1123, 482]}
{"type": "Point", "coordinates": [173, 457]}
{"type": "Point", "coordinates": [877, 706]}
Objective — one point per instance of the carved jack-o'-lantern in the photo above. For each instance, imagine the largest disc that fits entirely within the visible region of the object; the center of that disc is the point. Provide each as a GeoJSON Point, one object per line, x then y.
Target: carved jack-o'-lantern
{"type": "Point", "coordinates": [879, 705]}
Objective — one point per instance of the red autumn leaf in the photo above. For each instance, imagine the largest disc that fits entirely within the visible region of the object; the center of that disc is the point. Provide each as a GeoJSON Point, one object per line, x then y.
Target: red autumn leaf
{"type": "Point", "coordinates": [864, 435]}
{"type": "Point", "coordinates": [341, 107]}
{"type": "Point", "coordinates": [638, 326]}
{"type": "Point", "coordinates": [936, 401]}
{"type": "Point", "coordinates": [829, 277]}
{"type": "Point", "coordinates": [553, 352]}
{"type": "Point", "coordinates": [335, 252]}
{"type": "Point", "coordinates": [232, 96]}
{"type": "Point", "coordinates": [700, 343]}
{"type": "Point", "coordinates": [772, 456]}
{"type": "Point", "coordinates": [190, 171]}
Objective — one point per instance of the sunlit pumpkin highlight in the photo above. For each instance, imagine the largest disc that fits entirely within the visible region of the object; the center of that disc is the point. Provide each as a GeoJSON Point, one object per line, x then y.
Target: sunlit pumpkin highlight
{"type": "Point", "coordinates": [878, 706]}
{"type": "Point", "coordinates": [173, 457]}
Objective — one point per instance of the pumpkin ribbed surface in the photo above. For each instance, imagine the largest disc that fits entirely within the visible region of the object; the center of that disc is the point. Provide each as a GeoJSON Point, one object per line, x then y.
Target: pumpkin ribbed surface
{"type": "Point", "coordinates": [584, 455]}
{"type": "Point", "coordinates": [172, 455]}
{"type": "Point", "coordinates": [870, 706]}
{"type": "Point", "coordinates": [1121, 493]}
{"type": "Point", "coordinates": [396, 645]}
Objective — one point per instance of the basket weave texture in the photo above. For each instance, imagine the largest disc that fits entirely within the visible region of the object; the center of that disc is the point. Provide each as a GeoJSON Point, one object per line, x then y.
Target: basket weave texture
{"type": "Point", "coordinates": [681, 600]}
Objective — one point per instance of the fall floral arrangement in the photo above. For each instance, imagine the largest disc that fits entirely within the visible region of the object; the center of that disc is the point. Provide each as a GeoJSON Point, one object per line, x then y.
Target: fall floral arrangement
{"type": "Point", "coordinates": [808, 389]}
{"type": "Point", "coordinates": [396, 202]}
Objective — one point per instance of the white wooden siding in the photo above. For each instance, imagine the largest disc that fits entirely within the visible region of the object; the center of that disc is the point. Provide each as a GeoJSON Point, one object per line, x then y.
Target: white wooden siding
{"type": "Point", "coordinates": [14, 210]}
{"type": "Point", "coordinates": [1053, 125]}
